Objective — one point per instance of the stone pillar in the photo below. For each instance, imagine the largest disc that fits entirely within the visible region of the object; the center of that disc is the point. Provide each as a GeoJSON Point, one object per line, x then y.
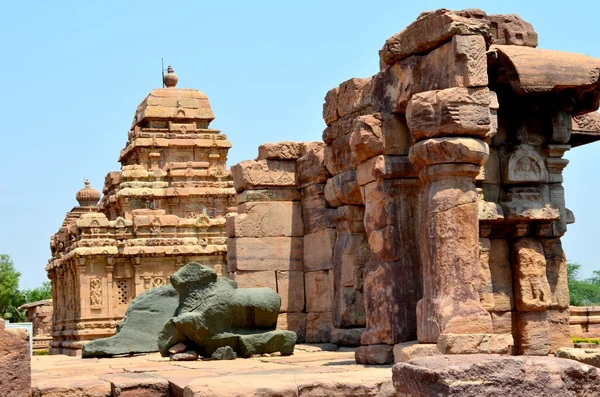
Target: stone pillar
{"type": "Point", "coordinates": [110, 265]}
{"type": "Point", "coordinates": [445, 125]}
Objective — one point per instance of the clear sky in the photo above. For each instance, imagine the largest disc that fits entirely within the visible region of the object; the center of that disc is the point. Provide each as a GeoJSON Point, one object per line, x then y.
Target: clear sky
{"type": "Point", "coordinates": [74, 72]}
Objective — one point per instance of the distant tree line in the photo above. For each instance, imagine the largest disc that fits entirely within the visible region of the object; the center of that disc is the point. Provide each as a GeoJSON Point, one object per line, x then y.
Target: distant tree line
{"type": "Point", "coordinates": [583, 292]}
{"type": "Point", "coordinates": [11, 297]}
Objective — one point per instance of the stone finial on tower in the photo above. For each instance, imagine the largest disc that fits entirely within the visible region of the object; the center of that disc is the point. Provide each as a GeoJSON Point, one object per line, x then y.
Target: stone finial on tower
{"type": "Point", "coordinates": [170, 79]}
{"type": "Point", "coordinates": [88, 196]}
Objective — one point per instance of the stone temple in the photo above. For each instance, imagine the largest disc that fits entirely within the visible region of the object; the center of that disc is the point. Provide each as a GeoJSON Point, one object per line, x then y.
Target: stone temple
{"type": "Point", "coordinates": [164, 208]}
{"type": "Point", "coordinates": [431, 211]}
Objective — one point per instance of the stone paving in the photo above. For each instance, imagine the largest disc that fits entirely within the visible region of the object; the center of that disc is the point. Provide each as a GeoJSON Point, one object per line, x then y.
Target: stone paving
{"type": "Point", "coordinates": [313, 370]}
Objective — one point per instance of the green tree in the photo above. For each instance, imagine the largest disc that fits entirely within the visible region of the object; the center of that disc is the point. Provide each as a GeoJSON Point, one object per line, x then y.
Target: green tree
{"type": "Point", "coordinates": [10, 296]}
{"type": "Point", "coordinates": [38, 293]}
{"type": "Point", "coordinates": [584, 292]}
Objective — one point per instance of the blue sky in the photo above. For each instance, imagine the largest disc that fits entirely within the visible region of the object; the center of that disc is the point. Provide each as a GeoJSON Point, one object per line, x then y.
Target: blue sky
{"type": "Point", "coordinates": [74, 73]}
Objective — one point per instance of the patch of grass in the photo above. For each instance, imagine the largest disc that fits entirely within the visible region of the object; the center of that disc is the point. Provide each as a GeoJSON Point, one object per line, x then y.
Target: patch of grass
{"type": "Point", "coordinates": [41, 352]}
{"type": "Point", "coordinates": [587, 340]}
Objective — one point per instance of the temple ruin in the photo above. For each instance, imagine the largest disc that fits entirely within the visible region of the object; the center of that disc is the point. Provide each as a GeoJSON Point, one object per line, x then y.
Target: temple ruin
{"type": "Point", "coordinates": [432, 210]}
{"type": "Point", "coordinates": [165, 207]}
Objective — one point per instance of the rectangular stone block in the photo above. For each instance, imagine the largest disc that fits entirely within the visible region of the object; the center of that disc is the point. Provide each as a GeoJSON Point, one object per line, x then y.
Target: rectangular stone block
{"type": "Point", "coordinates": [502, 322]}
{"type": "Point", "coordinates": [484, 276]}
{"type": "Point", "coordinates": [348, 308]}
{"type": "Point", "coordinates": [392, 290]}
{"type": "Point", "coordinates": [558, 327]}
{"type": "Point", "coordinates": [346, 336]}
{"type": "Point", "coordinates": [266, 253]}
{"type": "Point", "coordinates": [475, 343]}
{"type": "Point", "coordinates": [330, 111]}
{"type": "Point", "coordinates": [316, 212]}
{"type": "Point", "coordinates": [453, 111]}
{"type": "Point", "coordinates": [311, 168]}
{"type": "Point", "coordinates": [290, 286]}
{"type": "Point", "coordinates": [319, 291]}
{"type": "Point", "coordinates": [338, 156]}
{"type": "Point", "coordinates": [318, 327]}
{"type": "Point", "coordinates": [338, 128]}
{"type": "Point", "coordinates": [532, 288]}
{"type": "Point", "coordinates": [293, 322]}
{"type": "Point", "coordinates": [556, 272]}
{"type": "Point", "coordinates": [533, 336]}
{"type": "Point", "coordinates": [318, 250]}
{"type": "Point", "coordinates": [461, 62]}
{"type": "Point", "coordinates": [428, 32]}
{"type": "Point", "coordinates": [350, 219]}
{"type": "Point", "coordinates": [350, 95]}
{"type": "Point", "coordinates": [502, 278]}
{"type": "Point", "coordinates": [578, 314]}
{"type": "Point", "coordinates": [249, 279]}
{"type": "Point", "coordinates": [280, 151]}
{"type": "Point", "coordinates": [251, 174]}
{"type": "Point", "coordinates": [385, 167]}
{"type": "Point", "coordinates": [366, 138]}
{"type": "Point", "coordinates": [342, 189]}
{"type": "Point", "coordinates": [397, 139]}
{"type": "Point", "coordinates": [350, 255]}
{"type": "Point", "coordinates": [267, 219]}
{"type": "Point", "coordinates": [268, 195]}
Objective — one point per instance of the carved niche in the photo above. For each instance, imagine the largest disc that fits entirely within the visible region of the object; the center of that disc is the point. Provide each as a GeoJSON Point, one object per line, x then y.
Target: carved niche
{"type": "Point", "coordinates": [95, 292]}
{"type": "Point", "coordinates": [525, 165]}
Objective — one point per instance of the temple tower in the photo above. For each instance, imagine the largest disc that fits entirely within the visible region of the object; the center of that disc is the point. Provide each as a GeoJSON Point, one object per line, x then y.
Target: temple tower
{"type": "Point", "coordinates": [165, 207]}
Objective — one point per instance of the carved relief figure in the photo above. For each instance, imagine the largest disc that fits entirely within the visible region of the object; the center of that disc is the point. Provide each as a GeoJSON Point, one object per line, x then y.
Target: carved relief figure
{"type": "Point", "coordinates": [525, 165]}
{"type": "Point", "coordinates": [95, 292]}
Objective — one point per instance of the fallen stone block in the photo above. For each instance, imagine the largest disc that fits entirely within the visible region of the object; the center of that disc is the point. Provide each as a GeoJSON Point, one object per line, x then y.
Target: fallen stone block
{"type": "Point", "coordinates": [409, 350]}
{"type": "Point", "coordinates": [585, 356]}
{"type": "Point", "coordinates": [492, 375]}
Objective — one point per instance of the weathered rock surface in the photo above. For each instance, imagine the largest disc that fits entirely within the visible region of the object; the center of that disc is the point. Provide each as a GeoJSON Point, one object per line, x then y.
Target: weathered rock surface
{"type": "Point", "coordinates": [213, 313]}
{"type": "Point", "coordinates": [189, 355]}
{"type": "Point", "coordinates": [137, 332]}
{"type": "Point", "coordinates": [15, 369]}
{"type": "Point", "coordinates": [409, 350]}
{"type": "Point", "coordinates": [585, 356]}
{"type": "Point", "coordinates": [224, 353]}
{"type": "Point", "coordinates": [475, 343]}
{"type": "Point", "coordinates": [486, 375]}
{"type": "Point", "coordinates": [429, 31]}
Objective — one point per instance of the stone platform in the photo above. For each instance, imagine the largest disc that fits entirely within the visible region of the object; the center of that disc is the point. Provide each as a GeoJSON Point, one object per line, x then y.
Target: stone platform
{"type": "Point", "coordinates": [311, 371]}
